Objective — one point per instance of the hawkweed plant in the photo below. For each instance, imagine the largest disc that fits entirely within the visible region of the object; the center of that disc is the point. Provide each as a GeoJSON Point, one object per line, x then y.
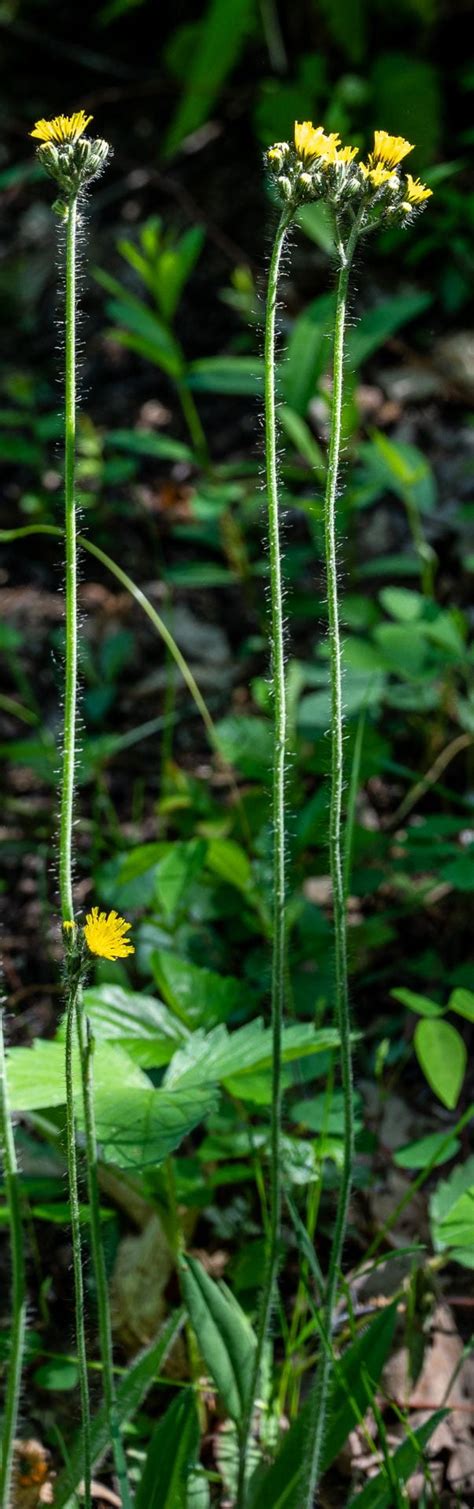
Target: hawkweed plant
{"type": "Point", "coordinates": [362, 197]}
{"type": "Point", "coordinates": [74, 160]}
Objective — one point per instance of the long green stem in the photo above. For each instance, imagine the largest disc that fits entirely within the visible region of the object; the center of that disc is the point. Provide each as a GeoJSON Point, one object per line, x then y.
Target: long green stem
{"type": "Point", "coordinates": [67, 803]}
{"type": "Point", "coordinates": [278, 915]}
{"type": "Point", "coordinates": [13, 1381]}
{"type": "Point", "coordinates": [76, 1243]}
{"type": "Point", "coordinates": [70, 681]}
{"type": "Point", "coordinates": [320, 1392]}
{"type": "Point", "coordinates": [86, 1046]}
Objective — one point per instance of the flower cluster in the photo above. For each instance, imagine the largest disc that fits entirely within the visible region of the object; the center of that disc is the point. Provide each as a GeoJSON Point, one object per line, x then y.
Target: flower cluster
{"type": "Point", "coordinates": [315, 166]}
{"type": "Point", "coordinates": [69, 157]}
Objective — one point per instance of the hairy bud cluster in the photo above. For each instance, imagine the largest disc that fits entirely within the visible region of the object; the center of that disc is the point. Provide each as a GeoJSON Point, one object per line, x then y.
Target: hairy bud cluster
{"type": "Point", "coordinates": [315, 166]}
{"type": "Point", "coordinates": [73, 164]}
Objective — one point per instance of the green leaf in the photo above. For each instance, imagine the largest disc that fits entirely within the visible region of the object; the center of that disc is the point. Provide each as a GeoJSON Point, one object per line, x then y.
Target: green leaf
{"type": "Point", "coordinates": [223, 1333]}
{"type": "Point", "coordinates": [247, 743]}
{"type": "Point", "coordinates": [378, 1492]}
{"type": "Point", "coordinates": [172, 1451]}
{"type": "Point", "coordinates": [36, 1075]}
{"type": "Point", "coordinates": [317, 222]}
{"type": "Point", "coordinates": [195, 994]}
{"type": "Point", "coordinates": [442, 1055]}
{"type": "Point", "coordinates": [462, 1001]}
{"type": "Point", "coordinates": [131, 1391]}
{"type": "Point", "coordinates": [139, 1128]}
{"type": "Point", "coordinates": [307, 354]}
{"type": "Point", "coordinates": [302, 438]}
{"type": "Point", "coordinates": [228, 860]}
{"type": "Point", "coordinates": [227, 374]}
{"type": "Point", "coordinates": [217, 48]}
{"type": "Point", "coordinates": [375, 327]}
{"type": "Point", "coordinates": [280, 1485]}
{"type": "Point", "coordinates": [423, 1152]}
{"type": "Point", "coordinates": [221, 1055]}
{"type": "Point", "coordinates": [145, 1028]}
{"type": "Point", "coordinates": [140, 329]}
{"type": "Point", "coordinates": [175, 873]}
{"type": "Point", "coordinates": [421, 1004]}
{"type": "Point", "coordinates": [148, 443]}
{"type": "Point", "coordinates": [452, 1210]}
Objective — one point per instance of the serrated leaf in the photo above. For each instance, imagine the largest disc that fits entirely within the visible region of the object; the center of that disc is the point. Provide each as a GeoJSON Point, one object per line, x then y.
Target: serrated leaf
{"type": "Point", "coordinates": [139, 1128]}
{"type": "Point", "coordinates": [36, 1075]}
{"type": "Point", "coordinates": [442, 1055]}
{"type": "Point", "coordinates": [220, 1055]}
{"type": "Point", "coordinates": [223, 1333]}
{"type": "Point", "coordinates": [145, 1028]}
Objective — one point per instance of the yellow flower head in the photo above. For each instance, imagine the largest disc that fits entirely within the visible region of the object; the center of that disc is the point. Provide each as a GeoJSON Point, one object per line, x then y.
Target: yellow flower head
{"type": "Point", "coordinates": [105, 935]}
{"type": "Point", "coordinates": [346, 154]}
{"type": "Point", "coordinates": [378, 175]}
{"type": "Point", "coordinates": [311, 141]}
{"type": "Point", "coordinates": [416, 191]}
{"type": "Point", "coordinates": [63, 128]}
{"type": "Point", "coordinates": [389, 149]}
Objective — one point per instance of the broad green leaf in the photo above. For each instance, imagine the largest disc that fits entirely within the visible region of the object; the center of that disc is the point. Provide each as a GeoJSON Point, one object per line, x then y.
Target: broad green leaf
{"type": "Point", "coordinates": [442, 1055]}
{"type": "Point", "coordinates": [227, 374]}
{"type": "Point", "coordinates": [452, 1210]}
{"type": "Point", "coordinates": [172, 1451]}
{"type": "Point", "coordinates": [247, 743]}
{"type": "Point", "coordinates": [218, 45]}
{"type": "Point", "coordinates": [146, 1029]}
{"type": "Point", "coordinates": [131, 1391]}
{"type": "Point", "coordinates": [221, 1055]}
{"type": "Point", "coordinates": [462, 1001]}
{"type": "Point", "coordinates": [421, 1004]}
{"type": "Point", "coordinates": [378, 1492]}
{"type": "Point", "coordinates": [194, 993]}
{"type": "Point", "coordinates": [139, 1128]}
{"type": "Point", "coordinates": [425, 1151]}
{"type": "Point", "coordinates": [176, 872]}
{"type": "Point", "coordinates": [402, 604]}
{"type": "Point", "coordinates": [280, 1485]}
{"type": "Point", "coordinates": [36, 1075]}
{"type": "Point", "coordinates": [228, 860]}
{"type": "Point", "coordinates": [223, 1333]}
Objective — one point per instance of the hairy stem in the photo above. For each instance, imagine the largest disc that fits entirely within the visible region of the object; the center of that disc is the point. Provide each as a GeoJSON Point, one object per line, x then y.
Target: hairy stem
{"type": "Point", "coordinates": [71, 1006]}
{"type": "Point", "coordinates": [320, 1392]}
{"type": "Point", "coordinates": [18, 1328]}
{"type": "Point", "coordinates": [66, 809]}
{"type": "Point", "coordinates": [278, 918]}
{"type": "Point", "coordinates": [70, 680]}
{"type": "Point", "coordinates": [86, 1048]}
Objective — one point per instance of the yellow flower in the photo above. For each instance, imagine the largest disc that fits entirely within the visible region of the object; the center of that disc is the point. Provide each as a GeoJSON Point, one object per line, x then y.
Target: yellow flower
{"type": "Point", "coordinates": [346, 154]}
{"type": "Point", "coordinates": [311, 141]}
{"type": "Point", "coordinates": [69, 927]}
{"type": "Point", "coordinates": [378, 175]}
{"type": "Point", "coordinates": [416, 191]}
{"type": "Point", "coordinates": [62, 128]}
{"type": "Point", "coordinates": [106, 935]}
{"type": "Point", "coordinates": [389, 149]}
